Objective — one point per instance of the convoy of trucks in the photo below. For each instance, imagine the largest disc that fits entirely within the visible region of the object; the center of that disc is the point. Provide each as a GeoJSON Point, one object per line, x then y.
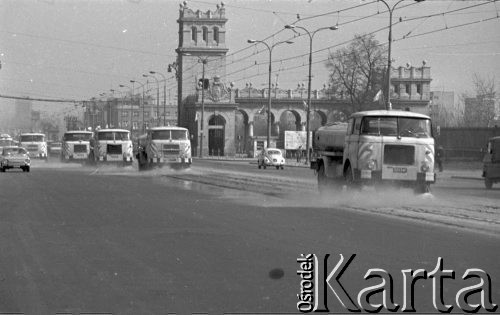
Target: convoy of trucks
{"type": "Point", "coordinates": [375, 148]}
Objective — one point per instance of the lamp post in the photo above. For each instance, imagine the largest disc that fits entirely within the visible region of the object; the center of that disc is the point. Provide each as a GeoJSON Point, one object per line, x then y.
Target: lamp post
{"type": "Point", "coordinates": [270, 48]}
{"type": "Point", "coordinates": [157, 97]}
{"type": "Point", "coordinates": [308, 110]}
{"type": "Point", "coordinates": [388, 105]}
{"type": "Point", "coordinates": [164, 93]}
{"type": "Point", "coordinates": [174, 66]}
{"type": "Point", "coordinates": [203, 61]}
{"type": "Point", "coordinates": [142, 101]}
{"type": "Point", "coordinates": [131, 111]}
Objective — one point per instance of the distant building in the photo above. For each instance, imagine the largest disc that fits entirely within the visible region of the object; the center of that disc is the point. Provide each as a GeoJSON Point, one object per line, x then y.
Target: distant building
{"type": "Point", "coordinates": [410, 88]}
{"type": "Point", "coordinates": [444, 111]}
{"type": "Point", "coordinates": [22, 115]}
{"type": "Point", "coordinates": [481, 111]}
{"type": "Point", "coordinates": [129, 112]}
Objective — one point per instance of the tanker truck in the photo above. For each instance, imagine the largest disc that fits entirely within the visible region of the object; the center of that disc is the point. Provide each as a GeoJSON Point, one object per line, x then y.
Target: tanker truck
{"type": "Point", "coordinates": [378, 147]}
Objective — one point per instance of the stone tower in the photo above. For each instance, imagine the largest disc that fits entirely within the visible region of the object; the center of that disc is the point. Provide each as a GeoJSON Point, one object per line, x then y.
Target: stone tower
{"type": "Point", "coordinates": [202, 36]}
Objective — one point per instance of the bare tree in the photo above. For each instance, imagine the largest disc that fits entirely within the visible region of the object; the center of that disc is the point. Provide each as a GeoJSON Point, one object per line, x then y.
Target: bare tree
{"type": "Point", "coordinates": [480, 109]}
{"type": "Point", "coordinates": [357, 71]}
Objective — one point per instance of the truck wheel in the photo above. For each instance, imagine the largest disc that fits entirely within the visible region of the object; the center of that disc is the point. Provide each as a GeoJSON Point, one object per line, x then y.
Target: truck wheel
{"type": "Point", "coordinates": [488, 183]}
{"type": "Point", "coordinates": [277, 167]}
{"type": "Point", "coordinates": [27, 169]}
{"type": "Point", "coordinates": [2, 169]}
{"type": "Point", "coordinates": [322, 180]}
{"type": "Point", "coordinates": [422, 188]}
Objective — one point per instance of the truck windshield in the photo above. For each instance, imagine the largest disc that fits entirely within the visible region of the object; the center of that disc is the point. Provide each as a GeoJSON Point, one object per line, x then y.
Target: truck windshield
{"type": "Point", "coordinates": [77, 137]}
{"type": "Point", "coordinates": [160, 135]}
{"type": "Point", "coordinates": [396, 126]}
{"type": "Point", "coordinates": [5, 142]}
{"type": "Point", "coordinates": [32, 138]}
{"type": "Point", "coordinates": [414, 127]}
{"type": "Point", "coordinates": [179, 135]}
{"type": "Point", "coordinates": [169, 135]}
{"type": "Point", "coordinates": [113, 135]}
{"type": "Point", "coordinates": [122, 136]}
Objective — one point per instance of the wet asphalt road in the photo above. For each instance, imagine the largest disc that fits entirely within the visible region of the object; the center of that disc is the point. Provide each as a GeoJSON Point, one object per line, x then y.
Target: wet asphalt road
{"type": "Point", "coordinates": [76, 241]}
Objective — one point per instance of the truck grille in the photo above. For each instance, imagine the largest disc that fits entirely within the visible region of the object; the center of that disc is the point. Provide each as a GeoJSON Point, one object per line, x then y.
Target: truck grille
{"type": "Point", "coordinates": [114, 149]}
{"type": "Point", "coordinates": [170, 149]}
{"type": "Point", "coordinates": [80, 148]}
{"type": "Point", "coordinates": [399, 154]}
{"type": "Point", "coordinates": [32, 147]}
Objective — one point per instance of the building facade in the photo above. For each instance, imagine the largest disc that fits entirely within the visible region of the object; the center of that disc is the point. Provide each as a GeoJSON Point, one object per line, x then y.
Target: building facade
{"type": "Point", "coordinates": [234, 119]}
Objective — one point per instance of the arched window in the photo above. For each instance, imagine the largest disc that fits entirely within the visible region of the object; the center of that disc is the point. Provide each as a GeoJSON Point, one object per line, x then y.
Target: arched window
{"type": "Point", "coordinates": [194, 34]}
{"type": "Point", "coordinates": [216, 35]}
{"type": "Point", "coordinates": [205, 34]}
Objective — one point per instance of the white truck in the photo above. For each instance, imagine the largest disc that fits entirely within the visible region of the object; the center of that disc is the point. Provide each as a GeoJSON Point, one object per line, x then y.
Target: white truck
{"type": "Point", "coordinates": [168, 145]}
{"type": "Point", "coordinates": [376, 148]}
{"type": "Point", "coordinates": [35, 144]}
{"type": "Point", "coordinates": [111, 146]}
{"type": "Point", "coordinates": [76, 146]}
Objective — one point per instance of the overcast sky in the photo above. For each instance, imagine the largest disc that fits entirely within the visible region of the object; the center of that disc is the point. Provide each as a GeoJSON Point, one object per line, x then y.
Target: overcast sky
{"type": "Point", "coordinates": [78, 49]}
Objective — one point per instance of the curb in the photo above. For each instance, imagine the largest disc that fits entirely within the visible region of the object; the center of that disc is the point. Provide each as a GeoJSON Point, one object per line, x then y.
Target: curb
{"type": "Point", "coordinates": [466, 177]}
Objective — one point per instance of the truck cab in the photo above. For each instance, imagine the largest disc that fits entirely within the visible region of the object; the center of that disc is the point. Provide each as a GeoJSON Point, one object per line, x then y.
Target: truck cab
{"type": "Point", "coordinates": [377, 147]}
{"type": "Point", "coordinates": [76, 146]}
{"type": "Point", "coordinates": [111, 146]}
{"type": "Point", "coordinates": [167, 145]}
{"type": "Point", "coordinates": [35, 144]}
{"type": "Point", "coordinates": [491, 163]}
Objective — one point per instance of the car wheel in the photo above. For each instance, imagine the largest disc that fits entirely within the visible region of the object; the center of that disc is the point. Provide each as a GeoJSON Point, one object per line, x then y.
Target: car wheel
{"type": "Point", "coordinates": [27, 169]}
{"type": "Point", "coordinates": [277, 167]}
{"type": "Point", "coordinates": [282, 167]}
{"type": "Point", "coordinates": [2, 169]}
{"type": "Point", "coordinates": [488, 183]}
{"type": "Point", "coordinates": [258, 164]}
{"type": "Point", "coordinates": [264, 166]}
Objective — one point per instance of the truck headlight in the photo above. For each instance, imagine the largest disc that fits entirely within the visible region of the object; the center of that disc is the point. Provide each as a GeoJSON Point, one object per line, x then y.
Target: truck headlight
{"type": "Point", "coordinates": [371, 165]}
{"type": "Point", "coordinates": [425, 167]}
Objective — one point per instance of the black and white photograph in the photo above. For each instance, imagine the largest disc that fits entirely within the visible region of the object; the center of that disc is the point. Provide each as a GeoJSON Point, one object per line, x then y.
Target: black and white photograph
{"type": "Point", "coordinates": [249, 157]}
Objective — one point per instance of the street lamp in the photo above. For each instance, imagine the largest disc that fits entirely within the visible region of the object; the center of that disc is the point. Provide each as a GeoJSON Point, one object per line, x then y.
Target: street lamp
{"type": "Point", "coordinates": [142, 101]}
{"type": "Point", "coordinates": [308, 110]}
{"type": "Point", "coordinates": [388, 105]}
{"type": "Point", "coordinates": [164, 93]}
{"type": "Point", "coordinates": [157, 97]}
{"type": "Point", "coordinates": [203, 61]}
{"type": "Point", "coordinates": [270, 48]}
{"type": "Point", "coordinates": [174, 66]}
{"type": "Point", "coordinates": [123, 99]}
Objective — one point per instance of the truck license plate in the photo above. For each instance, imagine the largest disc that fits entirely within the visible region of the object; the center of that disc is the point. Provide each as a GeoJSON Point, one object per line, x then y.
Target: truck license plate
{"type": "Point", "coordinates": [401, 170]}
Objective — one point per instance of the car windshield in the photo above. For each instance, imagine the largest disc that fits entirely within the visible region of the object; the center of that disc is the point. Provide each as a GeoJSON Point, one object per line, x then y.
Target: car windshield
{"type": "Point", "coordinates": [274, 152]}
{"type": "Point", "coordinates": [32, 138]}
{"type": "Point", "coordinates": [394, 126]}
{"type": "Point", "coordinates": [77, 137]}
{"type": "Point", "coordinates": [13, 151]}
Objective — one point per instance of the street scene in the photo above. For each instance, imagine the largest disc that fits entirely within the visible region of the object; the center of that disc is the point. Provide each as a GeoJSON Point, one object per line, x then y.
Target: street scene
{"type": "Point", "coordinates": [249, 157]}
